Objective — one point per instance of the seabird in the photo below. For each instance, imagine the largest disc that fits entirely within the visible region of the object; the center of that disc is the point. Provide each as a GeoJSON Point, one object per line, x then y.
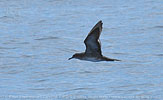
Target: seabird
{"type": "Point", "coordinates": [93, 47]}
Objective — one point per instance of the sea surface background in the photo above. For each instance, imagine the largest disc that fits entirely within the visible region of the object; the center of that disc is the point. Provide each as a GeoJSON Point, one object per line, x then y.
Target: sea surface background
{"type": "Point", "coordinates": [38, 36]}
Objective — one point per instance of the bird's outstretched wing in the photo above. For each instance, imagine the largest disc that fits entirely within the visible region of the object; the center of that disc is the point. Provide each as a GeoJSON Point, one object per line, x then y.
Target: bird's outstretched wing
{"type": "Point", "coordinates": [92, 41]}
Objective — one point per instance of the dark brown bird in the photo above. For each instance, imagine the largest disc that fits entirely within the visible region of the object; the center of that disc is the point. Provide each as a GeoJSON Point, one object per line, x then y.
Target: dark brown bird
{"type": "Point", "coordinates": [93, 47]}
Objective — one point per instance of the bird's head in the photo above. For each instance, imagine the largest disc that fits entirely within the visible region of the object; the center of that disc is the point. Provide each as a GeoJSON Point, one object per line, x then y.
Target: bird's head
{"type": "Point", "coordinates": [76, 55]}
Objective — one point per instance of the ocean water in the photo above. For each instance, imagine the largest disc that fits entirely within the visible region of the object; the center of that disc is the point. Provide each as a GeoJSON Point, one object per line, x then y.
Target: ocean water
{"type": "Point", "coordinates": [38, 36]}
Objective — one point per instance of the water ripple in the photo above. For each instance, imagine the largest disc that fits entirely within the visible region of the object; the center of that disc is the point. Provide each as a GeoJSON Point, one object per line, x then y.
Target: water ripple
{"type": "Point", "coordinates": [158, 26]}
{"type": "Point", "coordinates": [7, 48]}
{"type": "Point", "coordinates": [76, 89]}
{"type": "Point", "coordinates": [47, 38]}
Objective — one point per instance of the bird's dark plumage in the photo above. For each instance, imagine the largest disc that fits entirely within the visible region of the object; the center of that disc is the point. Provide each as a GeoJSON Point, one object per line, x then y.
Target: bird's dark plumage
{"type": "Point", "coordinates": [93, 46]}
{"type": "Point", "coordinates": [92, 41]}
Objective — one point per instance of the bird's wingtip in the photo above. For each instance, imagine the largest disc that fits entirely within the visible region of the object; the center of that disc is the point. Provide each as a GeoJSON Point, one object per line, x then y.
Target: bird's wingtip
{"type": "Point", "coordinates": [100, 21]}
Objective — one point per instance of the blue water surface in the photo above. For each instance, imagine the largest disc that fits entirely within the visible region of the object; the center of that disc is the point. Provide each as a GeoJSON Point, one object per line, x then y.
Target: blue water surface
{"type": "Point", "coordinates": [38, 36]}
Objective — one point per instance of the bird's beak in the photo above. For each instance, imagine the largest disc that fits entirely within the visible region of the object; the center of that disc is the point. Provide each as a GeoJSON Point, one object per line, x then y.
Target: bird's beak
{"type": "Point", "coordinates": [70, 58]}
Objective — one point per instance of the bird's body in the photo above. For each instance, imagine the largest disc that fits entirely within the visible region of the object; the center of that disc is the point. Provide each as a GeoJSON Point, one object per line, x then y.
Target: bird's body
{"type": "Point", "coordinates": [93, 46]}
{"type": "Point", "coordinates": [92, 57]}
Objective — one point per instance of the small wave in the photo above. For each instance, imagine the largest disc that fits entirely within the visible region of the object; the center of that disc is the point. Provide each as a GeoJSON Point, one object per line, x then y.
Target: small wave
{"type": "Point", "coordinates": [76, 89]}
{"type": "Point", "coordinates": [7, 48]}
{"type": "Point", "coordinates": [159, 55]}
{"type": "Point", "coordinates": [47, 38]}
{"type": "Point", "coordinates": [118, 53]}
{"type": "Point", "coordinates": [158, 27]}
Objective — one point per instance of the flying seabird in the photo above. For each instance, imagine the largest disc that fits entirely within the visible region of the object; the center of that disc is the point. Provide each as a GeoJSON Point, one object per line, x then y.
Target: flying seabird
{"type": "Point", "coordinates": [93, 47]}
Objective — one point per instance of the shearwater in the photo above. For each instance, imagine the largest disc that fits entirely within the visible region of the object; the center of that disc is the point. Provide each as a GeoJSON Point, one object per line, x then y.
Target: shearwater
{"type": "Point", "coordinates": [93, 47]}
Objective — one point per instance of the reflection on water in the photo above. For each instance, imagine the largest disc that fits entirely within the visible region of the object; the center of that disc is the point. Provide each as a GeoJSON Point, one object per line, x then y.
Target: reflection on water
{"type": "Point", "coordinates": [38, 37]}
